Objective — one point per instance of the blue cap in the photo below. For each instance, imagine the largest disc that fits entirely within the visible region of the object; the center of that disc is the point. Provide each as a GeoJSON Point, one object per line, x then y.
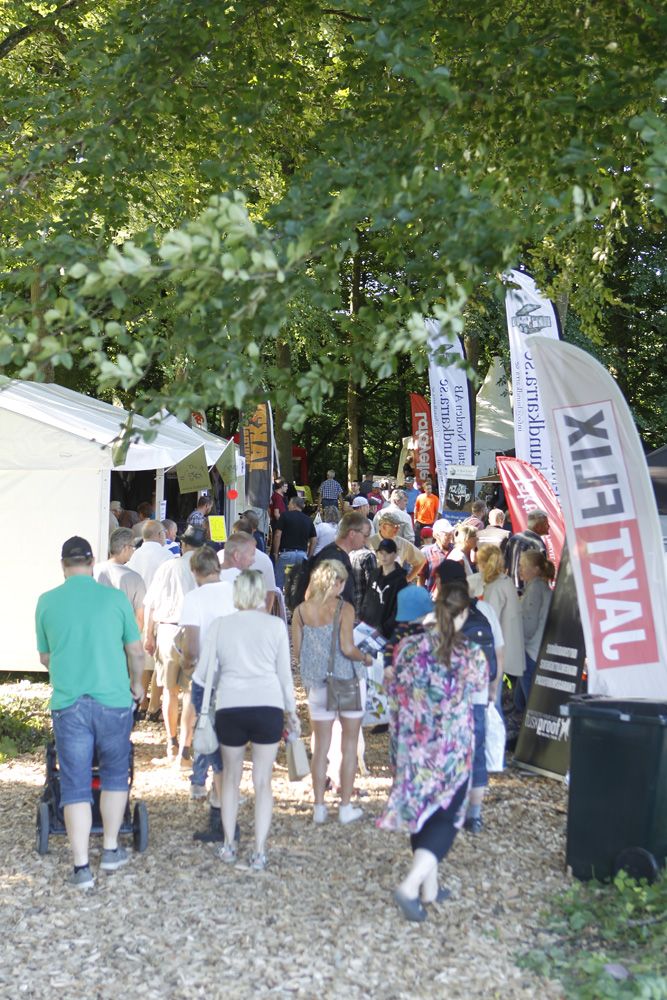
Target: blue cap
{"type": "Point", "coordinates": [413, 602]}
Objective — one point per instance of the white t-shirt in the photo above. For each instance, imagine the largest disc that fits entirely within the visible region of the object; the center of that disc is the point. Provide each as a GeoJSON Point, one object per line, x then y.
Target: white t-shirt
{"type": "Point", "coordinates": [326, 533]}
{"type": "Point", "coordinates": [265, 567]}
{"type": "Point", "coordinates": [201, 607]}
{"type": "Point", "coordinates": [145, 561]}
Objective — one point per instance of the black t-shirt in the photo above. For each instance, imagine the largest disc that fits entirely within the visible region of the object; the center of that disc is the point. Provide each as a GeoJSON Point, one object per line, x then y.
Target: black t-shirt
{"type": "Point", "coordinates": [297, 529]}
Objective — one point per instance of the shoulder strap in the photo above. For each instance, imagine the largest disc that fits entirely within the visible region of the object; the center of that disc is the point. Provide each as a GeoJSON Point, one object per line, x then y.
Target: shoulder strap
{"type": "Point", "coordinates": [334, 637]}
{"type": "Point", "coordinates": [210, 673]}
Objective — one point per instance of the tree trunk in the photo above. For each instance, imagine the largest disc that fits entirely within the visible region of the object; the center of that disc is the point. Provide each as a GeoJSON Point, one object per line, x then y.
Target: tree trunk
{"type": "Point", "coordinates": [353, 401]}
{"type": "Point", "coordinates": [38, 308]}
{"type": "Point", "coordinates": [471, 348]}
{"type": "Point", "coordinates": [353, 409]}
{"type": "Point", "coordinates": [562, 303]}
{"type": "Point", "coordinates": [283, 437]}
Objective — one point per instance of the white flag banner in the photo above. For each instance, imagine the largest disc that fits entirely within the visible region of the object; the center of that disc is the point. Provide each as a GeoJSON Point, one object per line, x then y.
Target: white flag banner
{"type": "Point", "coordinates": [450, 405]}
{"type": "Point", "coordinates": [611, 523]}
{"type": "Point", "coordinates": [528, 313]}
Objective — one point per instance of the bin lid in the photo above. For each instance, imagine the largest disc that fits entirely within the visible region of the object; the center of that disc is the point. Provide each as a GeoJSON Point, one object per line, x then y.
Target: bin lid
{"type": "Point", "coordinates": [593, 706]}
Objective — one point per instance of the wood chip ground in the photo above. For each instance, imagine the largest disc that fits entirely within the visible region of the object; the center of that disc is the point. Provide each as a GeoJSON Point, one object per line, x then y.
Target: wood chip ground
{"type": "Point", "coordinates": [319, 922]}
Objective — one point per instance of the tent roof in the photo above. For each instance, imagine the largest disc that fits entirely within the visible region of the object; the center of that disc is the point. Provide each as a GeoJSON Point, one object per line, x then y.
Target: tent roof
{"type": "Point", "coordinates": [100, 423]}
{"type": "Point", "coordinates": [494, 424]}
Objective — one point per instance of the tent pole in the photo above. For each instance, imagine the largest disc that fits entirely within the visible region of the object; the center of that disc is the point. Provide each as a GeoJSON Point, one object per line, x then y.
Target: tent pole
{"type": "Point", "coordinates": [159, 493]}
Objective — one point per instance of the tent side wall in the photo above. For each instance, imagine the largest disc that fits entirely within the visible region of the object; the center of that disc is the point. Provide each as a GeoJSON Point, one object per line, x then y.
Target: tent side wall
{"type": "Point", "coordinates": [52, 485]}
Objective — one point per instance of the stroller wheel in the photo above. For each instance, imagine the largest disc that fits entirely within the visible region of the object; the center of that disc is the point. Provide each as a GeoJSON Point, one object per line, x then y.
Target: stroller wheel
{"type": "Point", "coordinates": [140, 827]}
{"type": "Point", "coordinates": [42, 840]}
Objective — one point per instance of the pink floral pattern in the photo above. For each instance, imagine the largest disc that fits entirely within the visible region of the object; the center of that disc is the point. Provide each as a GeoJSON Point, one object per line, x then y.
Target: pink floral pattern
{"type": "Point", "coordinates": [431, 723]}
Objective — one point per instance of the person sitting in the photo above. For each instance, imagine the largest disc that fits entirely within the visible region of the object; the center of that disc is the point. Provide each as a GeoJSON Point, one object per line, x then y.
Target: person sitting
{"type": "Point", "coordinates": [250, 650]}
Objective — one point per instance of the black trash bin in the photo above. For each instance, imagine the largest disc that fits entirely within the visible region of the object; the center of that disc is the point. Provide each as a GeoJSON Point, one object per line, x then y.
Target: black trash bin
{"type": "Point", "coordinates": [617, 811]}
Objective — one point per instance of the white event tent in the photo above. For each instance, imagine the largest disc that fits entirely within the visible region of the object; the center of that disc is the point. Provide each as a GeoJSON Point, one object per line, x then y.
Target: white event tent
{"type": "Point", "coordinates": [494, 423]}
{"type": "Point", "coordinates": [55, 471]}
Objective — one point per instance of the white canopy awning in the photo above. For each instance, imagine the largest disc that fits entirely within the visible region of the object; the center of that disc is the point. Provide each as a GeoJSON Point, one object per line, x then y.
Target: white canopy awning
{"type": "Point", "coordinates": [89, 420]}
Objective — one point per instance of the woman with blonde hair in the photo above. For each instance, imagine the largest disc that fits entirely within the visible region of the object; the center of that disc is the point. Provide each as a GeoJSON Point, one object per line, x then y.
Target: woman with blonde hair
{"type": "Point", "coordinates": [322, 639]}
{"type": "Point", "coordinates": [465, 543]}
{"type": "Point", "coordinates": [249, 653]}
{"type": "Point", "coordinates": [536, 572]}
{"type": "Point", "coordinates": [501, 594]}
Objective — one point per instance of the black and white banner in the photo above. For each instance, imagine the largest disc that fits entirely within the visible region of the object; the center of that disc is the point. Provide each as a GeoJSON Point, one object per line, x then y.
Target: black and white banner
{"type": "Point", "coordinates": [544, 739]}
{"type": "Point", "coordinates": [528, 313]}
{"type": "Point", "coordinates": [611, 523]}
{"type": "Point", "coordinates": [450, 405]}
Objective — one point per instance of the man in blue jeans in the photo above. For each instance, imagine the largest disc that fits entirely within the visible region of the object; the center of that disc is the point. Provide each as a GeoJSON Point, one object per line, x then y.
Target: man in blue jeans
{"type": "Point", "coordinates": [88, 640]}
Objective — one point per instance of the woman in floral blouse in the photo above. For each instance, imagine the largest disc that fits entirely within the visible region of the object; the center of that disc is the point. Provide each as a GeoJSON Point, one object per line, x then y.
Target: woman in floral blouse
{"type": "Point", "coordinates": [431, 719]}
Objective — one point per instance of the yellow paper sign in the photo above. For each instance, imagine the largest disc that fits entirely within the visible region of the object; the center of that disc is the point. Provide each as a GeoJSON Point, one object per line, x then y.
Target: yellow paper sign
{"type": "Point", "coordinates": [217, 527]}
{"type": "Point", "coordinates": [192, 472]}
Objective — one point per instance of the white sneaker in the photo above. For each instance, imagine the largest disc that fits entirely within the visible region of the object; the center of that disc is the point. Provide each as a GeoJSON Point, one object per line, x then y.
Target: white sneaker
{"type": "Point", "coordinates": [349, 813]}
{"type": "Point", "coordinates": [320, 813]}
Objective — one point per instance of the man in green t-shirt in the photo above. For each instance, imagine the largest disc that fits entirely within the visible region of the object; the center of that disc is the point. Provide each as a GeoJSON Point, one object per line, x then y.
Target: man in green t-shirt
{"type": "Point", "coordinates": [88, 640]}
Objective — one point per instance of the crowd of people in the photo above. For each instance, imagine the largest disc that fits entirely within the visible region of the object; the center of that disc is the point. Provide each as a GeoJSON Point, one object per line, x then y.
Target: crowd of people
{"type": "Point", "coordinates": [187, 633]}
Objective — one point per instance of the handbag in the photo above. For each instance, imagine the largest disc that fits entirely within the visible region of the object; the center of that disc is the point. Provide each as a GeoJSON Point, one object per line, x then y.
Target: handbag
{"type": "Point", "coordinates": [343, 695]}
{"type": "Point", "coordinates": [204, 738]}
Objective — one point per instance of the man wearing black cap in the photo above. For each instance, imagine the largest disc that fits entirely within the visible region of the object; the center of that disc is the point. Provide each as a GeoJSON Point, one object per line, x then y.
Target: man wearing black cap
{"type": "Point", "coordinates": [87, 638]}
{"type": "Point", "coordinates": [162, 612]}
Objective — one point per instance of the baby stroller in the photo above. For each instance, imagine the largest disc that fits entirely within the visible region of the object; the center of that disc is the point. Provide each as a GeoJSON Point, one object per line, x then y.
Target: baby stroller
{"type": "Point", "coordinates": [50, 818]}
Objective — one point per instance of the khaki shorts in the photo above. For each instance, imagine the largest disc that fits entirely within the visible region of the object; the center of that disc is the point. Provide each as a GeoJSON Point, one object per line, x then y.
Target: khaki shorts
{"type": "Point", "coordinates": [168, 661]}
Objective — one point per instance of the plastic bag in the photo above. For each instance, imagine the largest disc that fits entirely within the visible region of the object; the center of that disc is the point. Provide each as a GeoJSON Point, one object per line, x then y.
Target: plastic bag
{"type": "Point", "coordinates": [376, 708]}
{"type": "Point", "coordinates": [495, 740]}
{"type": "Point", "coordinates": [297, 759]}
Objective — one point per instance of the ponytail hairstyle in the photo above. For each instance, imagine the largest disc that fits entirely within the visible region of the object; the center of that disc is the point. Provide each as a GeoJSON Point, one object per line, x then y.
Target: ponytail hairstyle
{"type": "Point", "coordinates": [452, 600]}
{"type": "Point", "coordinates": [537, 558]}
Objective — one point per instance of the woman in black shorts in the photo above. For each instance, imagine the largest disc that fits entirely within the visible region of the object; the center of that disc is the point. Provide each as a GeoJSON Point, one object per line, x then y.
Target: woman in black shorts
{"type": "Point", "coordinates": [254, 691]}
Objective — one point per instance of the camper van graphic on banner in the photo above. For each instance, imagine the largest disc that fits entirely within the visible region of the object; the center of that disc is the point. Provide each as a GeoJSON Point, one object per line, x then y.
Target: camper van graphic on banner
{"type": "Point", "coordinates": [528, 313]}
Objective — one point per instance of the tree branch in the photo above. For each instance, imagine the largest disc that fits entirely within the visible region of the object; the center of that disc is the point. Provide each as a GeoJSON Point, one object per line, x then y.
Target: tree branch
{"type": "Point", "coordinates": [345, 15]}
{"type": "Point", "coordinates": [10, 42]}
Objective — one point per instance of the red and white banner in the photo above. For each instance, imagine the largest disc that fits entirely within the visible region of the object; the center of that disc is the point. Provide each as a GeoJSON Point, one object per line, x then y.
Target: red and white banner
{"type": "Point", "coordinates": [612, 524]}
{"type": "Point", "coordinates": [526, 489]}
{"type": "Point", "coordinates": [529, 313]}
{"type": "Point", "coordinates": [422, 435]}
{"type": "Point", "coordinates": [450, 404]}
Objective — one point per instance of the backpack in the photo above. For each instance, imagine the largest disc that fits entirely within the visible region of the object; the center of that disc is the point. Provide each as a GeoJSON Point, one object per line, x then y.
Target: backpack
{"type": "Point", "coordinates": [296, 583]}
{"type": "Point", "coordinates": [478, 629]}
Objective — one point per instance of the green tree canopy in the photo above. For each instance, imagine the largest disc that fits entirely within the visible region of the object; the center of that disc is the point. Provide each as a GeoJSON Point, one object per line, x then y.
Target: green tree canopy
{"type": "Point", "coordinates": [181, 180]}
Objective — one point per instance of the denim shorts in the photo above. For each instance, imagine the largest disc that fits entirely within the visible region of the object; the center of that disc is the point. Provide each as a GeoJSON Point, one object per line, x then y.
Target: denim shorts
{"type": "Point", "coordinates": [82, 729]}
{"type": "Point", "coordinates": [262, 724]}
{"type": "Point", "coordinates": [480, 778]}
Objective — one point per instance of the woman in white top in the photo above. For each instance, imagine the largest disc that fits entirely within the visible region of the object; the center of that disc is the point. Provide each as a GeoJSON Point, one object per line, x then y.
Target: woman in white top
{"type": "Point", "coordinates": [327, 529]}
{"type": "Point", "coordinates": [254, 690]}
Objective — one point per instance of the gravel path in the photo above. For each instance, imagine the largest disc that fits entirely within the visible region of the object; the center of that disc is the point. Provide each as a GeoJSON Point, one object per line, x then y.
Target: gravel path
{"type": "Point", "coordinates": [319, 922]}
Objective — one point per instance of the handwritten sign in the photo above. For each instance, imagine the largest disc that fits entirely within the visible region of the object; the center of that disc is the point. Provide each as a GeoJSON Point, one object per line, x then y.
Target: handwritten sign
{"type": "Point", "coordinates": [192, 472]}
{"type": "Point", "coordinates": [226, 464]}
